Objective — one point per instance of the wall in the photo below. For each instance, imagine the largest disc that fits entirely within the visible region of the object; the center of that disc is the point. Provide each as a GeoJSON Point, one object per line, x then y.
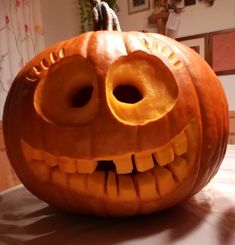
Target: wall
{"type": "Point", "coordinates": [8, 177]}
{"type": "Point", "coordinates": [195, 19]}
{"type": "Point", "coordinates": [134, 22]}
{"type": "Point", "coordinates": [61, 20]}
{"type": "Point", "coordinates": [3, 96]}
{"type": "Point", "coordinates": [228, 83]}
{"type": "Point", "coordinates": [199, 18]}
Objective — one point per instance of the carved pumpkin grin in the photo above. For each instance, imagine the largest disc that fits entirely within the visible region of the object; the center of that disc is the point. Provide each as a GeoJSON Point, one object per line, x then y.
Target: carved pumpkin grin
{"type": "Point", "coordinates": [144, 176]}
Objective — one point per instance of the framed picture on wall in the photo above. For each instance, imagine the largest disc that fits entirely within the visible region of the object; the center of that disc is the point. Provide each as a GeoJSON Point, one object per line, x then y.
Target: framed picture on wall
{"type": "Point", "coordinates": [222, 51]}
{"type": "Point", "coordinates": [189, 2]}
{"type": "Point", "coordinates": [198, 43]}
{"type": "Point", "coordinates": [135, 6]}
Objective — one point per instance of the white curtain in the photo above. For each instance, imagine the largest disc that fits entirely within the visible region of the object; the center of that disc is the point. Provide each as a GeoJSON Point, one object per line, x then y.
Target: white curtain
{"type": "Point", "coordinates": [21, 38]}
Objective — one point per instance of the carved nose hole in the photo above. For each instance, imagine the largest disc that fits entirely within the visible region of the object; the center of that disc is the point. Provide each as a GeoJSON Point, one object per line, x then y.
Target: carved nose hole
{"type": "Point", "coordinates": [82, 97]}
{"type": "Point", "coordinates": [127, 94]}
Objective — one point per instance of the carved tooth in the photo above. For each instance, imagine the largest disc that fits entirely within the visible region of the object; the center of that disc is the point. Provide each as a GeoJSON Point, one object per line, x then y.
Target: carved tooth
{"type": "Point", "coordinates": [123, 164]}
{"type": "Point", "coordinates": [41, 170]}
{"type": "Point", "coordinates": [37, 155]}
{"type": "Point", "coordinates": [143, 161]}
{"type": "Point", "coordinates": [126, 188]}
{"type": "Point", "coordinates": [50, 159]}
{"type": "Point", "coordinates": [59, 178]}
{"type": "Point", "coordinates": [180, 144]}
{"type": "Point", "coordinates": [27, 150]}
{"type": "Point", "coordinates": [96, 183]}
{"type": "Point", "coordinates": [165, 180]}
{"type": "Point", "coordinates": [77, 182]}
{"type": "Point", "coordinates": [180, 168]}
{"type": "Point", "coordinates": [86, 166]}
{"type": "Point", "coordinates": [67, 165]}
{"type": "Point", "coordinates": [147, 186]}
{"type": "Point", "coordinates": [112, 189]}
{"type": "Point", "coordinates": [164, 156]}
{"type": "Point", "coordinates": [31, 153]}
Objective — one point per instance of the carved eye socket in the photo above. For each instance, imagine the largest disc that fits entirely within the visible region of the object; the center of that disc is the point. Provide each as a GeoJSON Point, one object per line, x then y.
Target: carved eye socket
{"type": "Point", "coordinates": [127, 94]}
{"type": "Point", "coordinates": [68, 94]}
{"type": "Point", "coordinates": [140, 88]}
{"type": "Point", "coordinates": [81, 97]}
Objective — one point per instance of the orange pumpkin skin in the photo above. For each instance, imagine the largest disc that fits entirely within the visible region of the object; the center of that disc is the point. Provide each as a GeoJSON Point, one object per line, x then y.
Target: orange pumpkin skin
{"type": "Point", "coordinates": [181, 95]}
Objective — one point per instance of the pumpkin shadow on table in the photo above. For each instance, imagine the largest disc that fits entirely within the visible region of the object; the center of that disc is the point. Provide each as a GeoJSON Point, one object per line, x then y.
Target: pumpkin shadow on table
{"type": "Point", "coordinates": [226, 226]}
{"type": "Point", "coordinates": [50, 226]}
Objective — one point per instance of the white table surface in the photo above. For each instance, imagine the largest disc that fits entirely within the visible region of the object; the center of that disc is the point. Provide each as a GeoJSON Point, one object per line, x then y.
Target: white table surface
{"type": "Point", "coordinates": [206, 219]}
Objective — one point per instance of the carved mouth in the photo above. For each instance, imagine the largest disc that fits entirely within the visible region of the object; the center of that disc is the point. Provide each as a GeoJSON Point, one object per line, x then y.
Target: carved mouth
{"type": "Point", "coordinates": [146, 175]}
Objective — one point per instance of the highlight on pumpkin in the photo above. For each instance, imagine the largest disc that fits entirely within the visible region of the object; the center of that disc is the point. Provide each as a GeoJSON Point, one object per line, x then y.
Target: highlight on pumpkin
{"type": "Point", "coordinates": [71, 90]}
{"type": "Point", "coordinates": [140, 88]}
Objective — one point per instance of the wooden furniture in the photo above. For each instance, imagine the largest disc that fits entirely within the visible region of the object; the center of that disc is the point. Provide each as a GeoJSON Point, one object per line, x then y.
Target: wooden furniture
{"type": "Point", "coordinates": [231, 139]}
{"type": "Point", "coordinates": [221, 49]}
{"type": "Point", "coordinates": [8, 177]}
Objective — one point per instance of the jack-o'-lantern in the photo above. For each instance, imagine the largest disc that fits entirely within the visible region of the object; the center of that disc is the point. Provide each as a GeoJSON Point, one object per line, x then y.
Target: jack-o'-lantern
{"type": "Point", "coordinates": [116, 123]}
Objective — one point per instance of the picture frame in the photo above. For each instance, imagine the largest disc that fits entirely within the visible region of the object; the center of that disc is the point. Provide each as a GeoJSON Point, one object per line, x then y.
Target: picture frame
{"type": "Point", "coordinates": [136, 6]}
{"type": "Point", "coordinates": [189, 2]}
{"type": "Point", "coordinates": [198, 43]}
{"type": "Point", "coordinates": [222, 50]}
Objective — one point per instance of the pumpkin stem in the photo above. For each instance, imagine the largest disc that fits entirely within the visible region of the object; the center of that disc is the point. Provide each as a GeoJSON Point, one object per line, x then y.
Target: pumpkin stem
{"type": "Point", "coordinates": [104, 17]}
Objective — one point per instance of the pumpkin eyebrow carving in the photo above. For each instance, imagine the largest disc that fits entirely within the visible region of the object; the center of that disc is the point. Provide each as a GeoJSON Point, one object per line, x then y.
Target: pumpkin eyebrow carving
{"type": "Point", "coordinates": [156, 47]}
{"type": "Point", "coordinates": [44, 65]}
{"type": "Point", "coordinates": [53, 57]}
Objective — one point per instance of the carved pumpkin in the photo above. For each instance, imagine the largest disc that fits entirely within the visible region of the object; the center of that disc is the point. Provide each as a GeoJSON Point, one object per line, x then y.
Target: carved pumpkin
{"type": "Point", "coordinates": [116, 124]}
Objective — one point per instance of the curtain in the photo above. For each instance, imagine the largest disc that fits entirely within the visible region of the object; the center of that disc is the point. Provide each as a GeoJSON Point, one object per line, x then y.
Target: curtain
{"type": "Point", "coordinates": [21, 37]}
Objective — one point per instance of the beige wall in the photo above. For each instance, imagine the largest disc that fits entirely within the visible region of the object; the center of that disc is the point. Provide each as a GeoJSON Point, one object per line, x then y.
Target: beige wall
{"type": "Point", "coordinates": [202, 18]}
{"type": "Point", "coordinates": [60, 19]}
